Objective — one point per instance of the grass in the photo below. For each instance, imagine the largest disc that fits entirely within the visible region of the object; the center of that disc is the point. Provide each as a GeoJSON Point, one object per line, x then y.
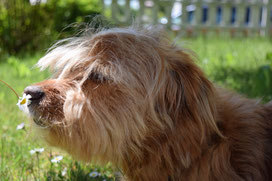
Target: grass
{"type": "Point", "coordinates": [244, 65]}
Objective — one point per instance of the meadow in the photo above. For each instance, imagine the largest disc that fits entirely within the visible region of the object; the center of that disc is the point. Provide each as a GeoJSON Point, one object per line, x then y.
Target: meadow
{"type": "Point", "coordinates": [242, 65]}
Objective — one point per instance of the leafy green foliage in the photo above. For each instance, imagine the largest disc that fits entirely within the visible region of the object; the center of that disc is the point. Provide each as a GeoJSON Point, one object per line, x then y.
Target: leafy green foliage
{"type": "Point", "coordinates": [21, 69]}
{"type": "Point", "coordinates": [34, 27]}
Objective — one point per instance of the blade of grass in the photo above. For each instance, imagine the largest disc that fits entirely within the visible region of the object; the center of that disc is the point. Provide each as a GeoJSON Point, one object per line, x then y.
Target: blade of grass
{"type": "Point", "coordinates": [10, 88]}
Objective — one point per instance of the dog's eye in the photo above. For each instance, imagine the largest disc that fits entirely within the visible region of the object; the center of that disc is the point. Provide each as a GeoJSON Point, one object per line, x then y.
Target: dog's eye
{"type": "Point", "coordinates": [97, 77]}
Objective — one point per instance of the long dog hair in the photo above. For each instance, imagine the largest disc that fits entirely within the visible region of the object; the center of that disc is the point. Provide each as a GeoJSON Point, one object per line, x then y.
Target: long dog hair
{"type": "Point", "coordinates": [131, 97]}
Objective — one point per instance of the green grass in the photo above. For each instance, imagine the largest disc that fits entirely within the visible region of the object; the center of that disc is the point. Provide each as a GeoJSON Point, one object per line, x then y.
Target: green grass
{"type": "Point", "coordinates": [244, 65]}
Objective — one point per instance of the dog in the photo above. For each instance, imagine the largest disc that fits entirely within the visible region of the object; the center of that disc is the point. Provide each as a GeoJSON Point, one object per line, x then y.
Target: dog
{"type": "Point", "coordinates": [131, 97]}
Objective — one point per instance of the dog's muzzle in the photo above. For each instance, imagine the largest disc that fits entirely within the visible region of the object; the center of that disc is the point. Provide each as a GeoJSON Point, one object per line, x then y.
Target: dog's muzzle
{"type": "Point", "coordinates": [36, 93]}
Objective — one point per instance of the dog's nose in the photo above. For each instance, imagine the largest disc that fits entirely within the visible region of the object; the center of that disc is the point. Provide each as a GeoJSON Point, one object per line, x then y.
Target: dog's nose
{"type": "Point", "coordinates": [36, 92]}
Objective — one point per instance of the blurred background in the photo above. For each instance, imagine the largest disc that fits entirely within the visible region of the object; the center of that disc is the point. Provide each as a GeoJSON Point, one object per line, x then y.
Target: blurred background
{"type": "Point", "coordinates": [30, 25]}
{"type": "Point", "coordinates": [232, 39]}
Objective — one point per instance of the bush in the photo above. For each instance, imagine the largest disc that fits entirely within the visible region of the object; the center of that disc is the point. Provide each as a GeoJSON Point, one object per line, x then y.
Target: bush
{"type": "Point", "coordinates": [26, 27]}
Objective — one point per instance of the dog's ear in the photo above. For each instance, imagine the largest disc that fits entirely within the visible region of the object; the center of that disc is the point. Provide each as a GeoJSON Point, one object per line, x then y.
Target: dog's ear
{"type": "Point", "coordinates": [189, 97]}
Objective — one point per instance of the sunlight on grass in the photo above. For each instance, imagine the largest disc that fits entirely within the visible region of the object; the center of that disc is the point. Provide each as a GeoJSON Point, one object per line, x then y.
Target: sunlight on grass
{"type": "Point", "coordinates": [243, 65]}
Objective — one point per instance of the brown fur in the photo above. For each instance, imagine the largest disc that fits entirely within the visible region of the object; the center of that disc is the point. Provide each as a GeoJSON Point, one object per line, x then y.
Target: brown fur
{"type": "Point", "coordinates": [130, 97]}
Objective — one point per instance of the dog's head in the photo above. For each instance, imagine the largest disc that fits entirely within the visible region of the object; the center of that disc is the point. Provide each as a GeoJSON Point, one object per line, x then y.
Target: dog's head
{"type": "Point", "coordinates": [115, 90]}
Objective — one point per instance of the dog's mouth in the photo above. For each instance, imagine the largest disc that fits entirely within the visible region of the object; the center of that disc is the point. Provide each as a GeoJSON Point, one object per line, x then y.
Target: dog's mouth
{"type": "Point", "coordinates": [36, 117]}
{"type": "Point", "coordinates": [40, 122]}
{"type": "Point", "coordinates": [42, 115]}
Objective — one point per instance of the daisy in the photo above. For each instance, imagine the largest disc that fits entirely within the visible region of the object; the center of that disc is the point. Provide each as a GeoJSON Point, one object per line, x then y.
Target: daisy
{"type": "Point", "coordinates": [64, 171]}
{"type": "Point", "coordinates": [36, 150]}
{"type": "Point", "coordinates": [20, 126]}
{"type": "Point", "coordinates": [23, 102]}
{"type": "Point", "coordinates": [39, 150]}
{"type": "Point", "coordinates": [32, 152]}
{"type": "Point", "coordinates": [93, 174]}
{"type": "Point", "coordinates": [57, 159]}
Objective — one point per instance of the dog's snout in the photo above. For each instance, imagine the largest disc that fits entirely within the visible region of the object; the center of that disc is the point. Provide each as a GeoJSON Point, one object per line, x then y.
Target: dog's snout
{"type": "Point", "coordinates": [36, 92]}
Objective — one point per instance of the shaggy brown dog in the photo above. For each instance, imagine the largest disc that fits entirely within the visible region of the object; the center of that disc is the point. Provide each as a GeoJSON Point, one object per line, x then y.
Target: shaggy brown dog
{"type": "Point", "coordinates": [130, 97]}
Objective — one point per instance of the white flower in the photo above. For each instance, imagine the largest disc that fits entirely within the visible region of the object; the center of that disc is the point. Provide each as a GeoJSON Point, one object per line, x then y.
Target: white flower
{"type": "Point", "coordinates": [23, 102]}
{"type": "Point", "coordinates": [64, 171]}
{"type": "Point", "coordinates": [39, 150]}
{"type": "Point", "coordinates": [36, 150]}
{"type": "Point", "coordinates": [163, 20]}
{"type": "Point", "coordinates": [93, 174]}
{"type": "Point", "coordinates": [20, 126]}
{"type": "Point", "coordinates": [32, 152]}
{"type": "Point", "coordinates": [57, 159]}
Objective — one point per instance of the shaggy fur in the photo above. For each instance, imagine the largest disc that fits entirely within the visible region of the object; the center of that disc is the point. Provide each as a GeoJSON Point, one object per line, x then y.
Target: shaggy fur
{"type": "Point", "coordinates": [130, 97]}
